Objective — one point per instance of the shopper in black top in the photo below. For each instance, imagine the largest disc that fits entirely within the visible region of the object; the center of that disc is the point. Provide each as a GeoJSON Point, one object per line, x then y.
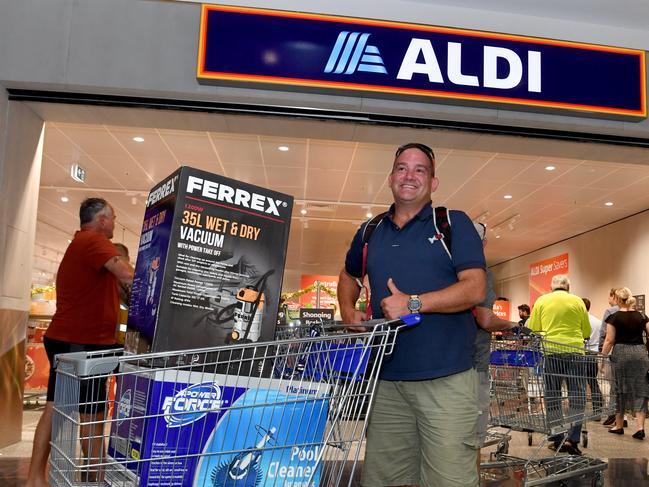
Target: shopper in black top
{"type": "Point", "coordinates": [631, 363]}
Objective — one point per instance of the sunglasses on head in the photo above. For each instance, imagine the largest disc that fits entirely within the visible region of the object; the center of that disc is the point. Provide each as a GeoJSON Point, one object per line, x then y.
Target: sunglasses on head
{"type": "Point", "coordinates": [422, 147]}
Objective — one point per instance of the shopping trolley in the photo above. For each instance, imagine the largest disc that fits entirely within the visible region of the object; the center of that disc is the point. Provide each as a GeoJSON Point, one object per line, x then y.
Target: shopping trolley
{"type": "Point", "coordinates": [239, 415]}
{"type": "Point", "coordinates": [540, 386]}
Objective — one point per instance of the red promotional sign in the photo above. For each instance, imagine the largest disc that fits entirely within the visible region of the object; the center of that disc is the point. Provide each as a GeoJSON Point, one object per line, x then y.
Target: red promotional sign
{"type": "Point", "coordinates": [541, 274]}
{"type": "Point", "coordinates": [501, 309]}
{"type": "Point", "coordinates": [37, 368]}
{"type": "Point", "coordinates": [310, 299]}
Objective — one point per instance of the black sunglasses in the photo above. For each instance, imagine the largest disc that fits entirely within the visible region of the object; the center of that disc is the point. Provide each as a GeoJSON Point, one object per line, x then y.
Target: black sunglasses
{"type": "Point", "coordinates": [422, 147]}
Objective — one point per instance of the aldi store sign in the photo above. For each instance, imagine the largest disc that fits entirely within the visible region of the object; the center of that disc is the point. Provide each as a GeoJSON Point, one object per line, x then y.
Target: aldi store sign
{"type": "Point", "coordinates": [318, 52]}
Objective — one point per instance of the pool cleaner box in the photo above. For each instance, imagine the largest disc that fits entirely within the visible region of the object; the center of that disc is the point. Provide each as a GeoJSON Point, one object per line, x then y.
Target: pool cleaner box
{"type": "Point", "coordinates": [178, 428]}
{"type": "Point", "coordinates": [210, 263]}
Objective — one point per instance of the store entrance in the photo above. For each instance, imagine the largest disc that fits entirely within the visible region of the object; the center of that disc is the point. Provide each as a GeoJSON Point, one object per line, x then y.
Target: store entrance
{"type": "Point", "coordinates": [531, 191]}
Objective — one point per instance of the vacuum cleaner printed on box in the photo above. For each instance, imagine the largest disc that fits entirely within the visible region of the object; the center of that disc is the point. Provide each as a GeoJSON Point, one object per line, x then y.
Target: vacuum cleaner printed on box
{"type": "Point", "coordinates": [191, 429]}
{"type": "Point", "coordinates": [151, 258]}
{"type": "Point", "coordinates": [210, 263]}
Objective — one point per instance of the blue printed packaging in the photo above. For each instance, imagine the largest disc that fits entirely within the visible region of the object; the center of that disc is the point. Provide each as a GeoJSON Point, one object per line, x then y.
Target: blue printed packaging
{"type": "Point", "coordinates": [177, 428]}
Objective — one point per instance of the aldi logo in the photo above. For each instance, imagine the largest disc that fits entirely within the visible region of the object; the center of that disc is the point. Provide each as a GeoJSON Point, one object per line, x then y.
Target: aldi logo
{"type": "Point", "coordinates": [297, 51]}
{"type": "Point", "coordinates": [352, 53]}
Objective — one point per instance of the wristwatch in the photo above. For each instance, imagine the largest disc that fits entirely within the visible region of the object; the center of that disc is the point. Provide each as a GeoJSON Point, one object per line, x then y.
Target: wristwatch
{"type": "Point", "coordinates": [414, 303]}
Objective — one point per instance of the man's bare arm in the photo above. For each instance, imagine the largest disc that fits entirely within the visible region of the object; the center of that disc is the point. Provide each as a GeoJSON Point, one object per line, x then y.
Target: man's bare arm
{"type": "Point", "coordinates": [610, 339]}
{"type": "Point", "coordinates": [348, 293]}
{"type": "Point", "coordinates": [123, 271]}
{"type": "Point", "coordinates": [464, 294]}
{"type": "Point", "coordinates": [488, 321]}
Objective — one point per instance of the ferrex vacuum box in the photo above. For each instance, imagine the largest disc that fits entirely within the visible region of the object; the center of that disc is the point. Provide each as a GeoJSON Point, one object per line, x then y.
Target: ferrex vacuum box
{"type": "Point", "coordinates": [210, 263]}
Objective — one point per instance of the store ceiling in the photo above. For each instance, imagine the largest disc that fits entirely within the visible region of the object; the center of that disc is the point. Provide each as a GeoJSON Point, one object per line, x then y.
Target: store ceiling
{"type": "Point", "coordinates": [336, 170]}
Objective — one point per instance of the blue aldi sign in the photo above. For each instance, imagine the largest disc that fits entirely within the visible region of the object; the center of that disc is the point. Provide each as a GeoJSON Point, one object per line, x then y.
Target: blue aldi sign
{"type": "Point", "coordinates": [318, 52]}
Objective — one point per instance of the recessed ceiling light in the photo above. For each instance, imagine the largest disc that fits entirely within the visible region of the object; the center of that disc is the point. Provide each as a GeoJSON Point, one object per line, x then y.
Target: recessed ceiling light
{"type": "Point", "coordinates": [65, 199]}
{"type": "Point", "coordinates": [138, 139]}
{"type": "Point", "coordinates": [497, 236]}
{"type": "Point", "coordinates": [303, 211]}
{"type": "Point", "coordinates": [508, 196]}
{"type": "Point", "coordinates": [283, 148]}
{"type": "Point", "coordinates": [550, 168]}
{"type": "Point", "coordinates": [609, 203]}
{"type": "Point", "coordinates": [369, 214]}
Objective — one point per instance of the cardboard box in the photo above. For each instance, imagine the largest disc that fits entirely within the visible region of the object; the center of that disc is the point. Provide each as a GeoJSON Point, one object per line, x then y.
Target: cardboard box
{"type": "Point", "coordinates": [210, 263]}
{"type": "Point", "coordinates": [188, 428]}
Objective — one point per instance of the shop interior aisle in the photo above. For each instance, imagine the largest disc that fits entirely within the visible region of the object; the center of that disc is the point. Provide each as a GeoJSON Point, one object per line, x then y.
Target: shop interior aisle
{"type": "Point", "coordinates": [628, 458]}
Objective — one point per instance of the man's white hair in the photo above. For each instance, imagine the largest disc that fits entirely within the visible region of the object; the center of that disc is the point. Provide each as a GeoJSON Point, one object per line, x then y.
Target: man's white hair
{"type": "Point", "coordinates": [560, 281]}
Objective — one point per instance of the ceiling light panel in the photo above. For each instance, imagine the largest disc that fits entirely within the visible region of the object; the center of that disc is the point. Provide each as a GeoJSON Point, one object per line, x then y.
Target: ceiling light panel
{"type": "Point", "coordinates": [502, 167]}
{"type": "Point", "coordinates": [373, 159]}
{"type": "Point", "coordinates": [295, 157]}
{"type": "Point", "coordinates": [330, 155]}
{"type": "Point", "coordinates": [582, 175]}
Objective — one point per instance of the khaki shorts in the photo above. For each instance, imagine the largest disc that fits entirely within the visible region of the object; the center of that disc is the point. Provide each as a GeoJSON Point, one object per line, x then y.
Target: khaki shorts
{"type": "Point", "coordinates": [423, 432]}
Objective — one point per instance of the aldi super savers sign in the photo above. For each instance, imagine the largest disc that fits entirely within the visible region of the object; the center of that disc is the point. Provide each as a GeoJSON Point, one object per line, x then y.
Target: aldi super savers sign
{"type": "Point", "coordinates": [316, 52]}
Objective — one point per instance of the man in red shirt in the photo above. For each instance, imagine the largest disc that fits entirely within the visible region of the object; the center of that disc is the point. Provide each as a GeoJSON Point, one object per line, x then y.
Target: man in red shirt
{"type": "Point", "coordinates": [87, 283]}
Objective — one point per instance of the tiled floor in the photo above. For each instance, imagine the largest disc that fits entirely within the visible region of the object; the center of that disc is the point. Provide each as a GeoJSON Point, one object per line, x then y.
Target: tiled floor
{"type": "Point", "coordinates": [627, 458]}
{"type": "Point", "coordinates": [14, 459]}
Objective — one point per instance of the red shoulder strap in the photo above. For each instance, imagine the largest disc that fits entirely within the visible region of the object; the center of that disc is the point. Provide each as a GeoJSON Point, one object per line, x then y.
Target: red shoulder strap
{"type": "Point", "coordinates": [368, 307]}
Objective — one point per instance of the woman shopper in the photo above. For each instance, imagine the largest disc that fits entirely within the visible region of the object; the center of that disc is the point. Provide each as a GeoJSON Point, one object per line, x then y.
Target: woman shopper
{"type": "Point", "coordinates": [630, 361]}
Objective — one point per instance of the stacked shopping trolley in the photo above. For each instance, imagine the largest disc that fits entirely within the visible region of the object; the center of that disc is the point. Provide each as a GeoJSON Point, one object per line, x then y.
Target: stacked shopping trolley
{"type": "Point", "coordinates": [286, 413]}
{"type": "Point", "coordinates": [540, 386]}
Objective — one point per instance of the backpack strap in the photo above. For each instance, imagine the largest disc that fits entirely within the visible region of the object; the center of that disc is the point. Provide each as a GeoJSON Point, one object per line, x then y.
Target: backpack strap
{"type": "Point", "coordinates": [371, 226]}
{"type": "Point", "coordinates": [365, 238]}
{"type": "Point", "coordinates": [442, 224]}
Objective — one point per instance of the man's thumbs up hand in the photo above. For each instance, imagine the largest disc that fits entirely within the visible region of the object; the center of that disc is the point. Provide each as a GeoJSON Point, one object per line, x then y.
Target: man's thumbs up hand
{"type": "Point", "coordinates": [393, 287]}
{"type": "Point", "coordinates": [396, 304]}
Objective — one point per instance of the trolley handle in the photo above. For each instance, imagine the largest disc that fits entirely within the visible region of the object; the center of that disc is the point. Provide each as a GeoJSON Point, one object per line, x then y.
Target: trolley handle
{"type": "Point", "coordinates": [410, 320]}
{"type": "Point", "coordinates": [522, 330]}
{"type": "Point", "coordinates": [378, 324]}
{"type": "Point", "coordinates": [404, 321]}
{"type": "Point", "coordinates": [86, 364]}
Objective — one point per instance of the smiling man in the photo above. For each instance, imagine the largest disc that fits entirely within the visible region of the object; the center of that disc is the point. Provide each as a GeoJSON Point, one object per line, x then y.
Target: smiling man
{"type": "Point", "coordinates": [422, 425]}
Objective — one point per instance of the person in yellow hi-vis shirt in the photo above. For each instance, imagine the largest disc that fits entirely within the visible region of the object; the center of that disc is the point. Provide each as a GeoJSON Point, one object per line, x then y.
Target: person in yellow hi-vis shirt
{"type": "Point", "coordinates": [562, 319]}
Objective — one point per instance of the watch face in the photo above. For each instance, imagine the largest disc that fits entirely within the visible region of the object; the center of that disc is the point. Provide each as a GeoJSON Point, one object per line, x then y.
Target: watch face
{"type": "Point", "coordinates": [414, 303]}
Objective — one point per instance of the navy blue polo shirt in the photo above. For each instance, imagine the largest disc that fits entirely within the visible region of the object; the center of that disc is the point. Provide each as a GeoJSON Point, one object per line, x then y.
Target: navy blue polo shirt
{"type": "Point", "coordinates": [443, 343]}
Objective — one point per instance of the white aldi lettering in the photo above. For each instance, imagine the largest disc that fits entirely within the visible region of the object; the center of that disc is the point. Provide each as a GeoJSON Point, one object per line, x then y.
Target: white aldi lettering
{"type": "Point", "coordinates": [491, 55]}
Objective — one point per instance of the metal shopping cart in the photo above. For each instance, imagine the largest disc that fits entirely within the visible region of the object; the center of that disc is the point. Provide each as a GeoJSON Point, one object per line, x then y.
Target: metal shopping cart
{"type": "Point", "coordinates": [285, 413]}
{"type": "Point", "coordinates": [540, 386]}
